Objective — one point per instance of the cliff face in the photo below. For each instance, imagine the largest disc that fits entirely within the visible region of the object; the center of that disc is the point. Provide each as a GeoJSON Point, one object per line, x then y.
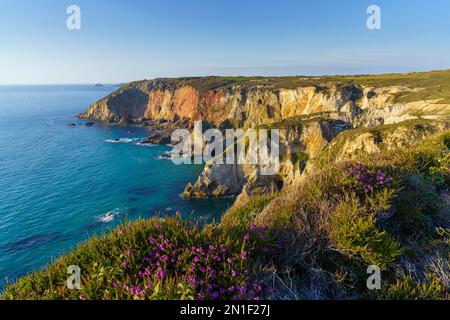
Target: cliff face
{"type": "Point", "coordinates": [247, 103]}
{"type": "Point", "coordinates": [310, 112]}
{"type": "Point", "coordinates": [299, 141]}
{"type": "Point", "coordinates": [236, 105]}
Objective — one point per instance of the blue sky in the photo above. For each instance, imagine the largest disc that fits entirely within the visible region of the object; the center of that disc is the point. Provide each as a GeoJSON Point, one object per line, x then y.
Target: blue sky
{"type": "Point", "coordinates": [125, 40]}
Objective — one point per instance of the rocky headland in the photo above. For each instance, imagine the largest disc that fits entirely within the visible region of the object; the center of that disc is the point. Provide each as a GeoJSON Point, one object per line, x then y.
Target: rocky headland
{"type": "Point", "coordinates": [317, 116]}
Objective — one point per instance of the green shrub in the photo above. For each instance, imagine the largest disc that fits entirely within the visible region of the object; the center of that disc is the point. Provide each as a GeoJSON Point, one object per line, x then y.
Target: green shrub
{"type": "Point", "coordinates": [355, 233]}
{"type": "Point", "coordinates": [410, 218]}
{"type": "Point", "coordinates": [409, 288]}
{"type": "Point", "coordinates": [416, 206]}
{"type": "Point", "coordinates": [431, 158]}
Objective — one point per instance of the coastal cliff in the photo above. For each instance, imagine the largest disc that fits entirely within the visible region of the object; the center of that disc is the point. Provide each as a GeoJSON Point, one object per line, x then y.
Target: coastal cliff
{"type": "Point", "coordinates": [309, 111]}
{"type": "Point", "coordinates": [364, 181]}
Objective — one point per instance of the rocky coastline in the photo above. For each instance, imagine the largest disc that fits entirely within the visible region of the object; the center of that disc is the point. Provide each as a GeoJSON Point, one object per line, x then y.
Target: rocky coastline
{"type": "Point", "coordinates": [313, 114]}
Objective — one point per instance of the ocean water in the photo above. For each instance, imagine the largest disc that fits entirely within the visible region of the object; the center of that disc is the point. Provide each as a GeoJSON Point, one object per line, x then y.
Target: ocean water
{"type": "Point", "coordinates": [59, 185]}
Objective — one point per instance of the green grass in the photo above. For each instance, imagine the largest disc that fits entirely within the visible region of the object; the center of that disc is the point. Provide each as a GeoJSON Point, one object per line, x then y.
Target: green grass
{"type": "Point", "coordinates": [434, 85]}
{"type": "Point", "coordinates": [241, 216]}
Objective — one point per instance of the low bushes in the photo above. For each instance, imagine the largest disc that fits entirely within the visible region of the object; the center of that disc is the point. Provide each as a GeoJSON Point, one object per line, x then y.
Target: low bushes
{"type": "Point", "coordinates": [410, 288]}
{"type": "Point", "coordinates": [355, 232]}
{"type": "Point", "coordinates": [313, 241]}
{"type": "Point", "coordinates": [153, 259]}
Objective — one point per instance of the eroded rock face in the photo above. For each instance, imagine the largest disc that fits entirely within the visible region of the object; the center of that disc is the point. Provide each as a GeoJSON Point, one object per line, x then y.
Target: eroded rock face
{"type": "Point", "coordinates": [297, 144]}
{"type": "Point", "coordinates": [352, 144]}
{"type": "Point", "coordinates": [123, 107]}
{"type": "Point", "coordinates": [241, 106]}
{"type": "Point", "coordinates": [388, 138]}
{"type": "Point", "coordinates": [309, 116]}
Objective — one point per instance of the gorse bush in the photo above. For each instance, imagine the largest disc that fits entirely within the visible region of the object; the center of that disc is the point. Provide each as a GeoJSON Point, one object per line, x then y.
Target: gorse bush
{"type": "Point", "coordinates": [355, 232]}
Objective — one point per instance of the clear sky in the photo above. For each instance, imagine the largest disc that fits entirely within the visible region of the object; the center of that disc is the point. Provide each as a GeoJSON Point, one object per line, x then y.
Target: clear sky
{"type": "Point", "coordinates": [125, 40]}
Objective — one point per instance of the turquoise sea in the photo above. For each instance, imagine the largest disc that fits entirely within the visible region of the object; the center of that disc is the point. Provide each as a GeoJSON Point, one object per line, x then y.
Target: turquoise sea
{"type": "Point", "coordinates": [59, 185]}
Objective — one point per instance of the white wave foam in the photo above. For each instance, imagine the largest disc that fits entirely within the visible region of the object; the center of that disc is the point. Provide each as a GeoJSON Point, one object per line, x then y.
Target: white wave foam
{"type": "Point", "coordinates": [110, 216]}
{"type": "Point", "coordinates": [166, 156]}
{"type": "Point", "coordinates": [122, 140]}
{"type": "Point", "coordinates": [145, 144]}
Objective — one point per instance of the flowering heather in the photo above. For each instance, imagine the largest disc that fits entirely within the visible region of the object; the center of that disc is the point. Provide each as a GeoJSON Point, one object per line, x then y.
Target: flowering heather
{"type": "Point", "coordinates": [181, 260]}
{"type": "Point", "coordinates": [363, 179]}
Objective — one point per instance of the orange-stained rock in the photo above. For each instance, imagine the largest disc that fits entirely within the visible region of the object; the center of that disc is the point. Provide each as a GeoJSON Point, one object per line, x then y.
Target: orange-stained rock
{"type": "Point", "coordinates": [185, 102]}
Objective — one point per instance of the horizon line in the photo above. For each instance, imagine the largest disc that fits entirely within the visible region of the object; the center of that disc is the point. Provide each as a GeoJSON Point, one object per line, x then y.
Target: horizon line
{"type": "Point", "coordinates": [224, 76]}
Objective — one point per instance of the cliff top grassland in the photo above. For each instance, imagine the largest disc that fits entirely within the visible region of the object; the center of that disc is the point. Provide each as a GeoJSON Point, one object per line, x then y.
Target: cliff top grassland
{"type": "Point", "coordinates": [364, 180]}
{"type": "Point", "coordinates": [434, 85]}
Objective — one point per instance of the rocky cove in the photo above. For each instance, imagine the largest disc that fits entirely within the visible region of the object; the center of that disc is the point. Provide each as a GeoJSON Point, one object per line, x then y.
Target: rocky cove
{"type": "Point", "coordinates": [315, 115]}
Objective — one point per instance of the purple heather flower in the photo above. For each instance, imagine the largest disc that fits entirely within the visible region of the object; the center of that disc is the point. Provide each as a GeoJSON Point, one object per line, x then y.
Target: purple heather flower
{"type": "Point", "coordinates": [191, 279]}
{"type": "Point", "coordinates": [161, 274]}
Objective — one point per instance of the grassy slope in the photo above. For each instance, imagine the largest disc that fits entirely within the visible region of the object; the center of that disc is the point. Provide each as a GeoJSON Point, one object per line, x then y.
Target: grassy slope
{"type": "Point", "coordinates": [314, 241]}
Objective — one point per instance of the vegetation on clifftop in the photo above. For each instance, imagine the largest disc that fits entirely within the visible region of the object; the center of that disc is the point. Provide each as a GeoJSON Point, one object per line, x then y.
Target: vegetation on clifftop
{"type": "Point", "coordinates": [312, 241]}
{"type": "Point", "coordinates": [417, 86]}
